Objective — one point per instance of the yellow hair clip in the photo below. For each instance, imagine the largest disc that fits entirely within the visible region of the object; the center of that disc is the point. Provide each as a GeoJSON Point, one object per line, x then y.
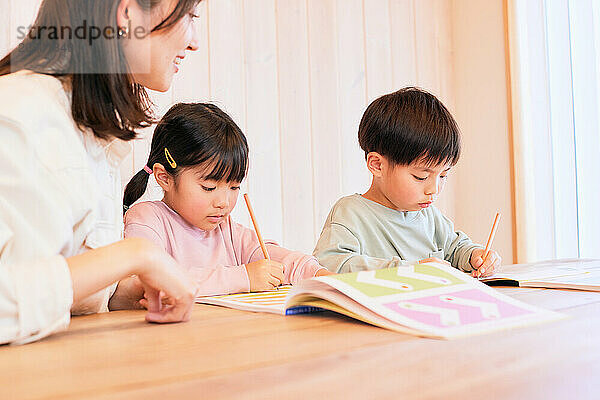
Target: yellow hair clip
{"type": "Point", "coordinates": [170, 159]}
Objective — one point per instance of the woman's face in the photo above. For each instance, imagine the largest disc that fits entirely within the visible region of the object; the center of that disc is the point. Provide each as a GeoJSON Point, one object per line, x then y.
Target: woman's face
{"type": "Point", "coordinates": [154, 58]}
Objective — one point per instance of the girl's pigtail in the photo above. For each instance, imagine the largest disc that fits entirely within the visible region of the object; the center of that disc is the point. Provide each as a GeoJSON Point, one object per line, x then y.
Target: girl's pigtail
{"type": "Point", "coordinates": [135, 189]}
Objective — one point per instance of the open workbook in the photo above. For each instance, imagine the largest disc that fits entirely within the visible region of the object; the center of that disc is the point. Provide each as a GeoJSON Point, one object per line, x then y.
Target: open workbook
{"type": "Point", "coordinates": [431, 300]}
{"type": "Point", "coordinates": [581, 274]}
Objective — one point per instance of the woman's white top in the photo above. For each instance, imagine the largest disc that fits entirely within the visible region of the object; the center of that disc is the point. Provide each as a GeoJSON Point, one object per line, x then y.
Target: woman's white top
{"type": "Point", "coordinates": [60, 195]}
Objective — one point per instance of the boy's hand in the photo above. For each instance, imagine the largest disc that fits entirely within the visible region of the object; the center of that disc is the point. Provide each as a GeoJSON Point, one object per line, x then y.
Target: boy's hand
{"type": "Point", "coordinates": [487, 269]}
{"type": "Point", "coordinates": [264, 275]}
{"type": "Point", "coordinates": [435, 260]}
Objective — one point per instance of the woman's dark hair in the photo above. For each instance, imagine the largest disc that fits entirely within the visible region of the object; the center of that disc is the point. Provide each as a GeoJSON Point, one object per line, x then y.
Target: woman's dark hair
{"type": "Point", "coordinates": [193, 134]}
{"type": "Point", "coordinates": [410, 125]}
{"type": "Point", "coordinates": [104, 96]}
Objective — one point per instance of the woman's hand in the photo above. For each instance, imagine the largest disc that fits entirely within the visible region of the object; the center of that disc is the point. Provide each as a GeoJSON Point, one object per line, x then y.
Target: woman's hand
{"type": "Point", "coordinates": [162, 277]}
{"type": "Point", "coordinates": [156, 270]}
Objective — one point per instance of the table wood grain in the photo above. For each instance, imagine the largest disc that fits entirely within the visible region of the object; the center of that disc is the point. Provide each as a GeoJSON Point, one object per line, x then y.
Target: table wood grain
{"type": "Point", "coordinates": [223, 353]}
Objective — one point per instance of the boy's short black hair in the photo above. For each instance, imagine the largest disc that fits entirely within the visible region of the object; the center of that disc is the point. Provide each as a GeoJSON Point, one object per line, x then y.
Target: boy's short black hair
{"type": "Point", "coordinates": [410, 125]}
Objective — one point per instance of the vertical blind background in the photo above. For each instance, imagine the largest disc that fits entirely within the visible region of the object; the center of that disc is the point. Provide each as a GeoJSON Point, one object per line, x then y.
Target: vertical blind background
{"type": "Point", "coordinates": [556, 69]}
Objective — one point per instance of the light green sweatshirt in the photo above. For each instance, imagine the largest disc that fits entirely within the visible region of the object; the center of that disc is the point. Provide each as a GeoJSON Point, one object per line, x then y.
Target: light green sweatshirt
{"type": "Point", "coordinates": [360, 234]}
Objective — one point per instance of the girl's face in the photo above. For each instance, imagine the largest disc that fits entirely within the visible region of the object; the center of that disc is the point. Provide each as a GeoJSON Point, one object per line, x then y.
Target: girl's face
{"type": "Point", "coordinates": [202, 203]}
{"type": "Point", "coordinates": [412, 187]}
{"type": "Point", "coordinates": [154, 58]}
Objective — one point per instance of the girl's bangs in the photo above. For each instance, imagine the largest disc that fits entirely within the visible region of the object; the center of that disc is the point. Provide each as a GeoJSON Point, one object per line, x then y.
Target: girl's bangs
{"type": "Point", "coordinates": [229, 166]}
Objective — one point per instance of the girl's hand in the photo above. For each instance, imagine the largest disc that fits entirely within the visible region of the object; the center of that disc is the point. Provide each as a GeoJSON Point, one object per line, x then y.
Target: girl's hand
{"type": "Point", "coordinates": [491, 263]}
{"type": "Point", "coordinates": [265, 275]}
{"type": "Point", "coordinates": [324, 272]}
{"type": "Point", "coordinates": [435, 260]}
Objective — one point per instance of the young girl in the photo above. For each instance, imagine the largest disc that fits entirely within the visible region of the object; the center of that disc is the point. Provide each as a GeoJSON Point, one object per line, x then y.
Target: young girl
{"type": "Point", "coordinates": [199, 157]}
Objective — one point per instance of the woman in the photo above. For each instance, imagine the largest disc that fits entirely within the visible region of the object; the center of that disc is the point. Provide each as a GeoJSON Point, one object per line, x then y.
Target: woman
{"type": "Point", "coordinates": [71, 95]}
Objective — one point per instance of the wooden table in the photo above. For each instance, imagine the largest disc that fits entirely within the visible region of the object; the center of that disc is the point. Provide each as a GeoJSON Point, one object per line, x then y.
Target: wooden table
{"type": "Point", "coordinates": [225, 353]}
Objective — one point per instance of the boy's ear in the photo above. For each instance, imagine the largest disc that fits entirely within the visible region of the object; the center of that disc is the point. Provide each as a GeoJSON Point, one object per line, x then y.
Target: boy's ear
{"type": "Point", "coordinates": [376, 163]}
{"type": "Point", "coordinates": [163, 178]}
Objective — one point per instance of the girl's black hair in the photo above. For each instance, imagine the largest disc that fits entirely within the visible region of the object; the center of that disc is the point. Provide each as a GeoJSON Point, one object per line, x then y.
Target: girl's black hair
{"type": "Point", "coordinates": [109, 102]}
{"type": "Point", "coordinates": [410, 125]}
{"type": "Point", "coordinates": [192, 134]}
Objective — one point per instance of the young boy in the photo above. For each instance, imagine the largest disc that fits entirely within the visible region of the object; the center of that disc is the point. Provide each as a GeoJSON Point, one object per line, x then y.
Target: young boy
{"type": "Point", "coordinates": [411, 142]}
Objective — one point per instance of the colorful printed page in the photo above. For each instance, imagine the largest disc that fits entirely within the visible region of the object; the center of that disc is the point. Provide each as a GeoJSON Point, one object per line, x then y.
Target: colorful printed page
{"type": "Point", "coordinates": [583, 274]}
{"type": "Point", "coordinates": [272, 302]}
{"type": "Point", "coordinates": [431, 300]}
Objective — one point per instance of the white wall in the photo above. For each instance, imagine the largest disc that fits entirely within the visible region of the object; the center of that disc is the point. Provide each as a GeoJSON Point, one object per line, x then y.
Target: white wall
{"type": "Point", "coordinates": [483, 180]}
{"type": "Point", "coordinates": [297, 74]}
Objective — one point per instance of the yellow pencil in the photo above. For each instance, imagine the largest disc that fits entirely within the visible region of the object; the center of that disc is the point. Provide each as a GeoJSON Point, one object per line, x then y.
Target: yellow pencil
{"type": "Point", "coordinates": [486, 252]}
{"type": "Point", "coordinates": [253, 218]}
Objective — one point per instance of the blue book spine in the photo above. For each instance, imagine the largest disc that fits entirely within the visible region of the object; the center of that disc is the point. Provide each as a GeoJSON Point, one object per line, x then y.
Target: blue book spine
{"type": "Point", "coordinates": [302, 310]}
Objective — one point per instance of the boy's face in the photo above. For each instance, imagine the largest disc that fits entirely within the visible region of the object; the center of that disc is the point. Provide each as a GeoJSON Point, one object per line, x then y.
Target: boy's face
{"type": "Point", "coordinates": [411, 187]}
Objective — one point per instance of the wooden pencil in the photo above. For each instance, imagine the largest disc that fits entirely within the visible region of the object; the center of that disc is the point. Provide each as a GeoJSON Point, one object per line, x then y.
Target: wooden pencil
{"type": "Point", "coordinates": [486, 252]}
{"type": "Point", "coordinates": [253, 218]}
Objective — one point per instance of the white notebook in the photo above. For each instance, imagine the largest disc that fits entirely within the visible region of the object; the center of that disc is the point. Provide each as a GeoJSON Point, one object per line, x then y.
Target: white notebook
{"type": "Point", "coordinates": [580, 274]}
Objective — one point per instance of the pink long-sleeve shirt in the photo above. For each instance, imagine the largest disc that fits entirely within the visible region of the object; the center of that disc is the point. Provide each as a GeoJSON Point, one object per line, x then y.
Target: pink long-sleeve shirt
{"type": "Point", "coordinates": [215, 259]}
